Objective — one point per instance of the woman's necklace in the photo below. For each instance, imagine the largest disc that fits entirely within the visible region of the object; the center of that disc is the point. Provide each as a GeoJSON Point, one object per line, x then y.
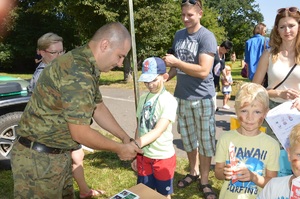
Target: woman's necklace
{"type": "Point", "coordinates": [285, 53]}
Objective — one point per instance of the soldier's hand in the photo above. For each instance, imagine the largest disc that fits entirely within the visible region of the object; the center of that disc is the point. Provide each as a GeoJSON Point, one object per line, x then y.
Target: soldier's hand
{"type": "Point", "coordinates": [126, 140]}
{"type": "Point", "coordinates": [128, 151]}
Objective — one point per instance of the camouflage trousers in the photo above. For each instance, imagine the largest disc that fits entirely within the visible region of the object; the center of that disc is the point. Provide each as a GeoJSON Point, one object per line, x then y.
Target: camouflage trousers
{"type": "Point", "coordinates": [41, 175]}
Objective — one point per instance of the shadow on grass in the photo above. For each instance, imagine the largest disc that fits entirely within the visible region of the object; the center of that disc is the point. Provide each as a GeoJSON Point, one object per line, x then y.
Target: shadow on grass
{"type": "Point", "coordinates": [192, 190]}
{"type": "Point", "coordinates": [102, 160]}
{"type": "Point", "coordinates": [6, 184]}
{"type": "Point", "coordinates": [5, 164]}
{"type": "Point", "coordinates": [106, 159]}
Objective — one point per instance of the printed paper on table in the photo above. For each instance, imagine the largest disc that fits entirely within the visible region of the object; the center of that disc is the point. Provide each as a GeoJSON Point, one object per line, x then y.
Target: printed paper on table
{"type": "Point", "coordinates": [125, 194]}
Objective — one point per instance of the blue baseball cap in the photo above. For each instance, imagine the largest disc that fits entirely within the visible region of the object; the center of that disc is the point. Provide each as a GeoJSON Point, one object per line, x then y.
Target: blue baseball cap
{"type": "Point", "coordinates": [152, 67]}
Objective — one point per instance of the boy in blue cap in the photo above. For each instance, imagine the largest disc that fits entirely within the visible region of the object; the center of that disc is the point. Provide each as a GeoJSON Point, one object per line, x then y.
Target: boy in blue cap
{"type": "Point", "coordinates": [156, 112]}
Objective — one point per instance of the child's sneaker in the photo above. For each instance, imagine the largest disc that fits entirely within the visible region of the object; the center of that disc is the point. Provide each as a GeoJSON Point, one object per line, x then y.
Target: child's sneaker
{"type": "Point", "coordinates": [226, 107]}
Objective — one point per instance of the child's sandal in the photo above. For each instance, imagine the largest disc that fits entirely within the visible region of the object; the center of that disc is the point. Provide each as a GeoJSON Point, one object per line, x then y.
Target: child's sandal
{"type": "Point", "coordinates": [201, 188]}
{"type": "Point", "coordinates": [186, 183]}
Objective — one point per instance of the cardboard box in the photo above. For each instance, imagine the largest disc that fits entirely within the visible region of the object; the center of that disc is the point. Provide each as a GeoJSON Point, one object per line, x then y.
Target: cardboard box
{"type": "Point", "coordinates": [145, 192]}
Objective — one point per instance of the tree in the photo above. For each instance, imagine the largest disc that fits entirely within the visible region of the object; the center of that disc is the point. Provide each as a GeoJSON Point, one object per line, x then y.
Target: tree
{"type": "Point", "coordinates": [239, 18]}
{"type": "Point", "coordinates": [156, 22]}
{"type": "Point", "coordinates": [27, 26]}
{"type": "Point", "coordinates": [210, 21]}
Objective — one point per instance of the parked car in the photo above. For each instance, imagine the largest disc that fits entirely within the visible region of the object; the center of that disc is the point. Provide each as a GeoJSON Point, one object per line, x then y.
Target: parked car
{"type": "Point", "coordinates": [13, 99]}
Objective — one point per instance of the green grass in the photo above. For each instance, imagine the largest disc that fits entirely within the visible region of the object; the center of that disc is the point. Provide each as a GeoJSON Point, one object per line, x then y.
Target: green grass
{"type": "Point", "coordinates": [104, 170]}
{"type": "Point", "coordinates": [22, 76]}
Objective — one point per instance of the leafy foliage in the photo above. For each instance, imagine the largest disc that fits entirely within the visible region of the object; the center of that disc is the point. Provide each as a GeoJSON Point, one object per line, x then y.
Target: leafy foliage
{"type": "Point", "coordinates": [155, 21]}
{"type": "Point", "coordinates": [238, 17]}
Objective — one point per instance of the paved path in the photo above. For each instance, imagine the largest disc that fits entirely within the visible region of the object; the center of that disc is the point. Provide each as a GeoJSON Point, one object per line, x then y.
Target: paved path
{"type": "Point", "coordinates": [121, 104]}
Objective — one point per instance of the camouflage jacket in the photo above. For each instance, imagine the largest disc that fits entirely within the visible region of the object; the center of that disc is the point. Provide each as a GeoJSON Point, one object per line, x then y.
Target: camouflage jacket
{"type": "Point", "coordinates": [67, 91]}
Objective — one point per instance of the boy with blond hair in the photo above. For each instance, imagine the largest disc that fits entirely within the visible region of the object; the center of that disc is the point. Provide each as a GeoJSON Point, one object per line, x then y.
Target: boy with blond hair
{"type": "Point", "coordinates": [280, 187]}
{"type": "Point", "coordinates": [256, 154]}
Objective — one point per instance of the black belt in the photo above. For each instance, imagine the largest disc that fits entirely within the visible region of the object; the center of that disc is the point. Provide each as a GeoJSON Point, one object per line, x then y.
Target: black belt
{"type": "Point", "coordinates": [40, 147]}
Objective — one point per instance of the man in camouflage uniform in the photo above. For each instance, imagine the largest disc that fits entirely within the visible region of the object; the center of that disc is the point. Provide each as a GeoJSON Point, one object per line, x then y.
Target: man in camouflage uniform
{"type": "Point", "coordinates": [58, 116]}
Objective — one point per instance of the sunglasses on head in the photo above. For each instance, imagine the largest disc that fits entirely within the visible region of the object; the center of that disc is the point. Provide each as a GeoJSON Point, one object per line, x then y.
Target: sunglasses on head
{"type": "Point", "coordinates": [190, 1]}
{"type": "Point", "coordinates": [193, 2]}
{"type": "Point", "coordinates": [290, 9]}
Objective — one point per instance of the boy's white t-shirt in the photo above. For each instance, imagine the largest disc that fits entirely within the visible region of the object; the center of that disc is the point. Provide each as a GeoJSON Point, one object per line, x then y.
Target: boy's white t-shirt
{"type": "Point", "coordinates": [276, 188]}
{"type": "Point", "coordinates": [166, 108]}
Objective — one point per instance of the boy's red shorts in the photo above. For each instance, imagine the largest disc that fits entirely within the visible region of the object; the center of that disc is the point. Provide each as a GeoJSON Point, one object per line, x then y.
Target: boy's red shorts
{"type": "Point", "coordinates": [162, 169]}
